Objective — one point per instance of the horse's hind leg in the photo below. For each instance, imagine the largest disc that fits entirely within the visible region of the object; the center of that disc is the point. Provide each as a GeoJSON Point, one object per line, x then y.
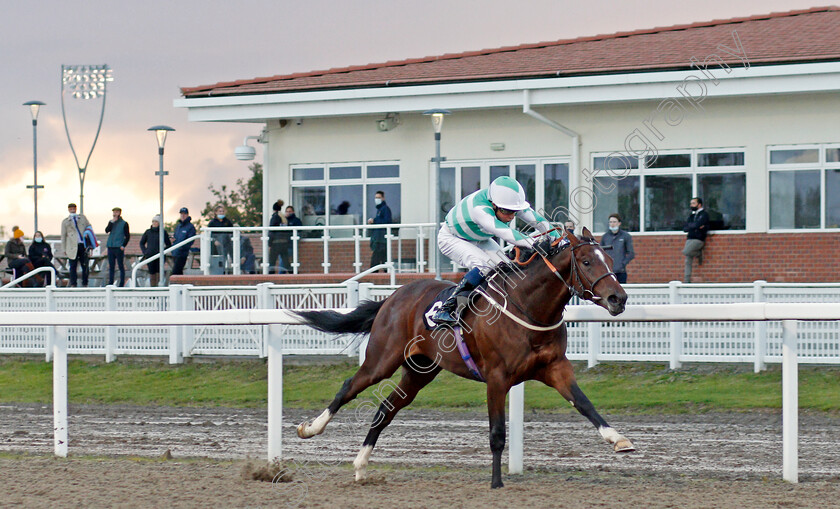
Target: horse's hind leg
{"type": "Point", "coordinates": [403, 394]}
{"type": "Point", "coordinates": [560, 375]}
{"type": "Point", "coordinates": [373, 370]}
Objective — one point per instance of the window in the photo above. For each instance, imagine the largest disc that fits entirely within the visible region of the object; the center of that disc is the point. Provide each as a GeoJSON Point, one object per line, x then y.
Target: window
{"type": "Point", "coordinates": [652, 195]}
{"type": "Point", "coordinates": [546, 183]}
{"type": "Point", "coordinates": [804, 186]}
{"type": "Point", "coordinates": [342, 194]}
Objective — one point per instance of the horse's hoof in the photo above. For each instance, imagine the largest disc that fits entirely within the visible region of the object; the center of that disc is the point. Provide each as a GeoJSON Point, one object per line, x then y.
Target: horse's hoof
{"type": "Point", "coordinates": [361, 474]}
{"type": "Point", "coordinates": [624, 445]}
{"type": "Point", "coordinates": [301, 430]}
{"type": "Point", "coordinates": [498, 484]}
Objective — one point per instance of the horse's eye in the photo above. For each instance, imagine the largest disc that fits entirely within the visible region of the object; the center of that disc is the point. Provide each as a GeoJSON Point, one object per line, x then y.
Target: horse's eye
{"type": "Point", "coordinates": [586, 262]}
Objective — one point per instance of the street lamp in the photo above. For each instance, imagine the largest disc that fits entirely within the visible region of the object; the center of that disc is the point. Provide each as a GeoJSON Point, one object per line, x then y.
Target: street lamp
{"type": "Point", "coordinates": [34, 106]}
{"type": "Point", "coordinates": [160, 133]}
{"type": "Point", "coordinates": [437, 123]}
{"type": "Point", "coordinates": [84, 82]}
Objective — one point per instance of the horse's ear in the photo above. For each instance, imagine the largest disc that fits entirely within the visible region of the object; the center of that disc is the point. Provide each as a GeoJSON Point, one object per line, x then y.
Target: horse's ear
{"type": "Point", "coordinates": [572, 239]}
{"type": "Point", "coordinates": [586, 233]}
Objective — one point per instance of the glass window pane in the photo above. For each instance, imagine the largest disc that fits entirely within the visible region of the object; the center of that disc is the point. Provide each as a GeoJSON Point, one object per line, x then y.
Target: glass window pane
{"type": "Point", "coordinates": [446, 192]}
{"type": "Point", "coordinates": [309, 203]}
{"type": "Point", "coordinates": [832, 199]}
{"type": "Point", "coordinates": [526, 174]}
{"type": "Point", "coordinates": [345, 208]}
{"type": "Point", "coordinates": [307, 174]}
{"type": "Point", "coordinates": [832, 155]}
{"type": "Point", "coordinates": [666, 202]}
{"type": "Point", "coordinates": [499, 171]}
{"type": "Point", "coordinates": [383, 171]}
{"type": "Point", "coordinates": [470, 180]}
{"type": "Point", "coordinates": [622, 196]}
{"type": "Point", "coordinates": [725, 199]}
{"type": "Point", "coordinates": [795, 156]}
{"type": "Point", "coordinates": [794, 199]}
{"type": "Point", "coordinates": [345, 172]}
{"type": "Point", "coordinates": [668, 161]}
{"type": "Point", "coordinates": [392, 199]}
{"type": "Point", "coordinates": [617, 163]}
{"type": "Point", "coordinates": [556, 191]}
{"type": "Point", "coordinates": [721, 159]}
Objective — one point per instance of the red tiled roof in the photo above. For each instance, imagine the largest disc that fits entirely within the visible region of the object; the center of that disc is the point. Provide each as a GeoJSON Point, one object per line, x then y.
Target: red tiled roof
{"type": "Point", "coordinates": [796, 36]}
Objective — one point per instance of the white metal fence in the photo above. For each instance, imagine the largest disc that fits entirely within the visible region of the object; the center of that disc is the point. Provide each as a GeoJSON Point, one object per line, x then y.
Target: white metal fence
{"type": "Point", "coordinates": [722, 341]}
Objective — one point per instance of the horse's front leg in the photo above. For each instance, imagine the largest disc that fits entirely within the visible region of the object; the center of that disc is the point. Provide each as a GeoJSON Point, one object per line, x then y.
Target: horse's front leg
{"type": "Point", "coordinates": [561, 376]}
{"type": "Point", "coordinates": [496, 392]}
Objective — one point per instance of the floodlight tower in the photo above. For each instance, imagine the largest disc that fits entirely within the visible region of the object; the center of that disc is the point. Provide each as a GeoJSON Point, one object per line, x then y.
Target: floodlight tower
{"type": "Point", "coordinates": [84, 82]}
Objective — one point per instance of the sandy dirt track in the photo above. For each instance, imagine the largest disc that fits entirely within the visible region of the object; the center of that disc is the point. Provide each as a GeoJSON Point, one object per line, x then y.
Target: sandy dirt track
{"type": "Point", "coordinates": [424, 459]}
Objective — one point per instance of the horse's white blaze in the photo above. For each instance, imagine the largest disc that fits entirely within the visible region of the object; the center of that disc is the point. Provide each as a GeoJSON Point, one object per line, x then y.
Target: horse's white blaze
{"type": "Point", "coordinates": [361, 462]}
{"type": "Point", "coordinates": [318, 425]}
{"type": "Point", "coordinates": [610, 434]}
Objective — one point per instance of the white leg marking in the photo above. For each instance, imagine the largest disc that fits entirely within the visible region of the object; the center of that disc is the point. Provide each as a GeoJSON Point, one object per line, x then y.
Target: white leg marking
{"type": "Point", "coordinates": [610, 434]}
{"type": "Point", "coordinates": [308, 430]}
{"type": "Point", "coordinates": [361, 462]}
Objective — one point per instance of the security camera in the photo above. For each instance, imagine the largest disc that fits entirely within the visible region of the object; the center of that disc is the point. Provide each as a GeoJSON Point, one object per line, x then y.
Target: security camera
{"type": "Point", "coordinates": [391, 121]}
{"type": "Point", "coordinates": [245, 152]}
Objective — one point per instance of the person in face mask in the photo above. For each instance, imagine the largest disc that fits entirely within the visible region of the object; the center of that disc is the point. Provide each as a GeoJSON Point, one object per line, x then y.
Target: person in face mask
{"type": "Point", "coordinates": [378, 244]}
{"type": "Point", "coordinates": [697, 226]}
{"type": "Point", "coordinates": [619, 244]}
{"type": "Point", "coordinates": [569, 226]}
{"type": "Point", "coordinates": [40, 254]}
{"type": "Point", "coordinates": [222, 242]}
{"type": "Point", "coordinates": [73, 243]}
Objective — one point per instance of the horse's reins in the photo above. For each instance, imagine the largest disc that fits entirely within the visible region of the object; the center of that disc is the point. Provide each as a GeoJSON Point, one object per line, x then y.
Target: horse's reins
{"type": "Point", "coordinates": [574, 276]}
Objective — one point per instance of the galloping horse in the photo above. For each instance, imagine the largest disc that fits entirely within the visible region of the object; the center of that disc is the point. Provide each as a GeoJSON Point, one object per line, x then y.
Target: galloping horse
{"type": "Point", "coordinates": [526, 342]}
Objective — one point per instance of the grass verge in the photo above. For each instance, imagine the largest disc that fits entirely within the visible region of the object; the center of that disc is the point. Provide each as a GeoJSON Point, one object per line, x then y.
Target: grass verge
{"type": "Point", "coordinates": [613, 388]}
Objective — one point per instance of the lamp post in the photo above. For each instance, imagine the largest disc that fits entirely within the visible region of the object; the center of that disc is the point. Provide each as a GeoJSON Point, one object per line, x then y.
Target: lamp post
{"type": "Point", "coordinates": [160, 133]}
{"type": "Point", "coordinates": [34, 106]}
{"type": "Point", "coordinates": [437, 123]}
{"type": "Point", "coordinates": [84, 82]}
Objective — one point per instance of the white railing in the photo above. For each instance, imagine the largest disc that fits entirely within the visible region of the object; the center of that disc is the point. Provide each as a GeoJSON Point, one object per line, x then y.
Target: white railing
{"type": "Point", "coordinates": [30, 274]}
{"type": "Point", "coordinates": [168, 251]}
{"type": "Point", "coordinates": [758, 343]}
{"type": "Point", "coordinates": [421, 233]}
{"type": "Point", "coordinates": [788, 314]}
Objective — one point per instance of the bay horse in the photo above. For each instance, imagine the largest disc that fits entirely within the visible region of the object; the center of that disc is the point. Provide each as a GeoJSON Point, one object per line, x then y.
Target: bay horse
{"type": "Point", "coordinates": [511, 347]}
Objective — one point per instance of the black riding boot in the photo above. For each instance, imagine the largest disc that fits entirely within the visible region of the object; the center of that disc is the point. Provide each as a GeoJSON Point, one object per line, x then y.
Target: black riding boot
{"type": "Point", "coordinates": [448, 312]}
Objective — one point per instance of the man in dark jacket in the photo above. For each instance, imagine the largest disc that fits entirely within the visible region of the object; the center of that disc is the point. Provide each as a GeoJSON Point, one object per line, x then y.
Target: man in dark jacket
{"type": "Point", "coordinates": [619, 244]}
{"type": "Point", "coordinates": [378, 244]}
{"type": "Point", "coordinates": [150, 245]}
{"type": "Point", "coordinates": [286, 239]}
{"type": "Point", "coordinates": [275, 238]}
{"type": "Point", "coordinates": [697, 227]}
{"type": "Point", "coordinates": [184, 229]}
{"type": "Point", "coordinates": [118, 237]}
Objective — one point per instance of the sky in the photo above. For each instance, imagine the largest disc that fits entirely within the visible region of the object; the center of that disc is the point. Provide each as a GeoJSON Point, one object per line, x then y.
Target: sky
{"type": "Point", "coordinates": [157, 46]}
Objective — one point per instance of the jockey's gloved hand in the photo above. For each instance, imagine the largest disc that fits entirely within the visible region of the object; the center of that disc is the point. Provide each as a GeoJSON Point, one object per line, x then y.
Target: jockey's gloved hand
{"type": "Point", "coordinates": [543, 245]}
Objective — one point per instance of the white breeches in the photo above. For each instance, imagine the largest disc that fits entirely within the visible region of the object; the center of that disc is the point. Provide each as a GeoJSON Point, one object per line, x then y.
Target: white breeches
{"type": "Point", "coordinates": [484, 254]}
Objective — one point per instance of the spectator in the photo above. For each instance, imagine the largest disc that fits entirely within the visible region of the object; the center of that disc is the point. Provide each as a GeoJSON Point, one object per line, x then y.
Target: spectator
{"type": "Point", "coordinates": [570, 227]}
{"type": "Point", "coordinates": [378, 244]}
{"type": "Point", "coordinates": [150, 245]}
{"type": "Point", "coordinates": [247, 260]}
{"type": "Point", "coordinates": [275, 238]}
{"type": "Point", "coordinates": [184, 229]}
{"type": "Point", "coordinates": [73, 243]}
{"type": "Point", "coordinates": [697, 227]}
{"type": "Point", "coordinates": [343, 207]}
{"type": "Point", "coordinates": [118, 237]}
{"type": "Point", "coordinates": [222, 242]}
{"type": "Point", "coordinates": [40, 254]}
{"type": "Point", "coordinates": [620, 245]}
{"type": "Point", "coordinates": [16, 252]}
{"type": "Point", "coordinates": [286, 238]}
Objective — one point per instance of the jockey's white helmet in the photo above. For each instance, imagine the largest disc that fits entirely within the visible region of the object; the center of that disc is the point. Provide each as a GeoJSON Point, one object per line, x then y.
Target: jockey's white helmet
{"type": "Point", "coordinates": [507, 193]}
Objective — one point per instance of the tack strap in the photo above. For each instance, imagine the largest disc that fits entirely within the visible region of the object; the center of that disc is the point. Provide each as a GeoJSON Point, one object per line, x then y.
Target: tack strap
{"type": "Point", "coordinates": [516, 319]}
{"type": "Point", "coordinates": [465, 354]}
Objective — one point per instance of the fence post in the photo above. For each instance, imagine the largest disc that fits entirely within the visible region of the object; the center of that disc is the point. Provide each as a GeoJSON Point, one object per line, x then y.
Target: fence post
{"type": "Point", "coordinates": [760, 328]}
{"type": "Point", "coordinates": [421, 253]}
{"type": "Point", "coordinates": [676, 327]}
{"type": "Point", "coordinates": [111, 330]}
{"type": "Point", "coordinates": [237, 254]}
{"type": "Point", "coordinates": [295, 238]}
{"type": "Point", "coordinates": [517, 428]}
{"type": "Point", "coordinates": [364, 294]}
{"type": "Point", "coordinates": [60, 392]}
{"type": "Point", "coordinates": [594, 329]}
{"type": "Point", "coordinates": [790, 403]}
{"type": "Point", "coordinates": [326, 262]}
{"type": "Point", "coordinates": [352, 302]}
{"type": "Point", "coordinates": [275, 393]}
{"type": "Point", "coordinates": [357, 246]}
{"type": "Point", "coordinates": [264, 301]}
{"type": "Point", "coordinates": [176, 354]}
{"type": "Point", "coordinates": [188, 335]}
{"type": "Point", "coordinates": [50, 339]}
{"type": "Point", "coordinates": [205, 252]}
{"type": "Point", "coordinates": [266, 263]}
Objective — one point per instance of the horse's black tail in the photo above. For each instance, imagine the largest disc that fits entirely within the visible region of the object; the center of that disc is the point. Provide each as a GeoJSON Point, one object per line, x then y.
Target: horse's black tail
{"type": "Point", "coordinates": [358, 321]}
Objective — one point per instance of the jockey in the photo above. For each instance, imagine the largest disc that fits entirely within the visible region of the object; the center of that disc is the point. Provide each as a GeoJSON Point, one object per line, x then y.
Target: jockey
{"type": "Point", "coordinates": [467, 235]}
